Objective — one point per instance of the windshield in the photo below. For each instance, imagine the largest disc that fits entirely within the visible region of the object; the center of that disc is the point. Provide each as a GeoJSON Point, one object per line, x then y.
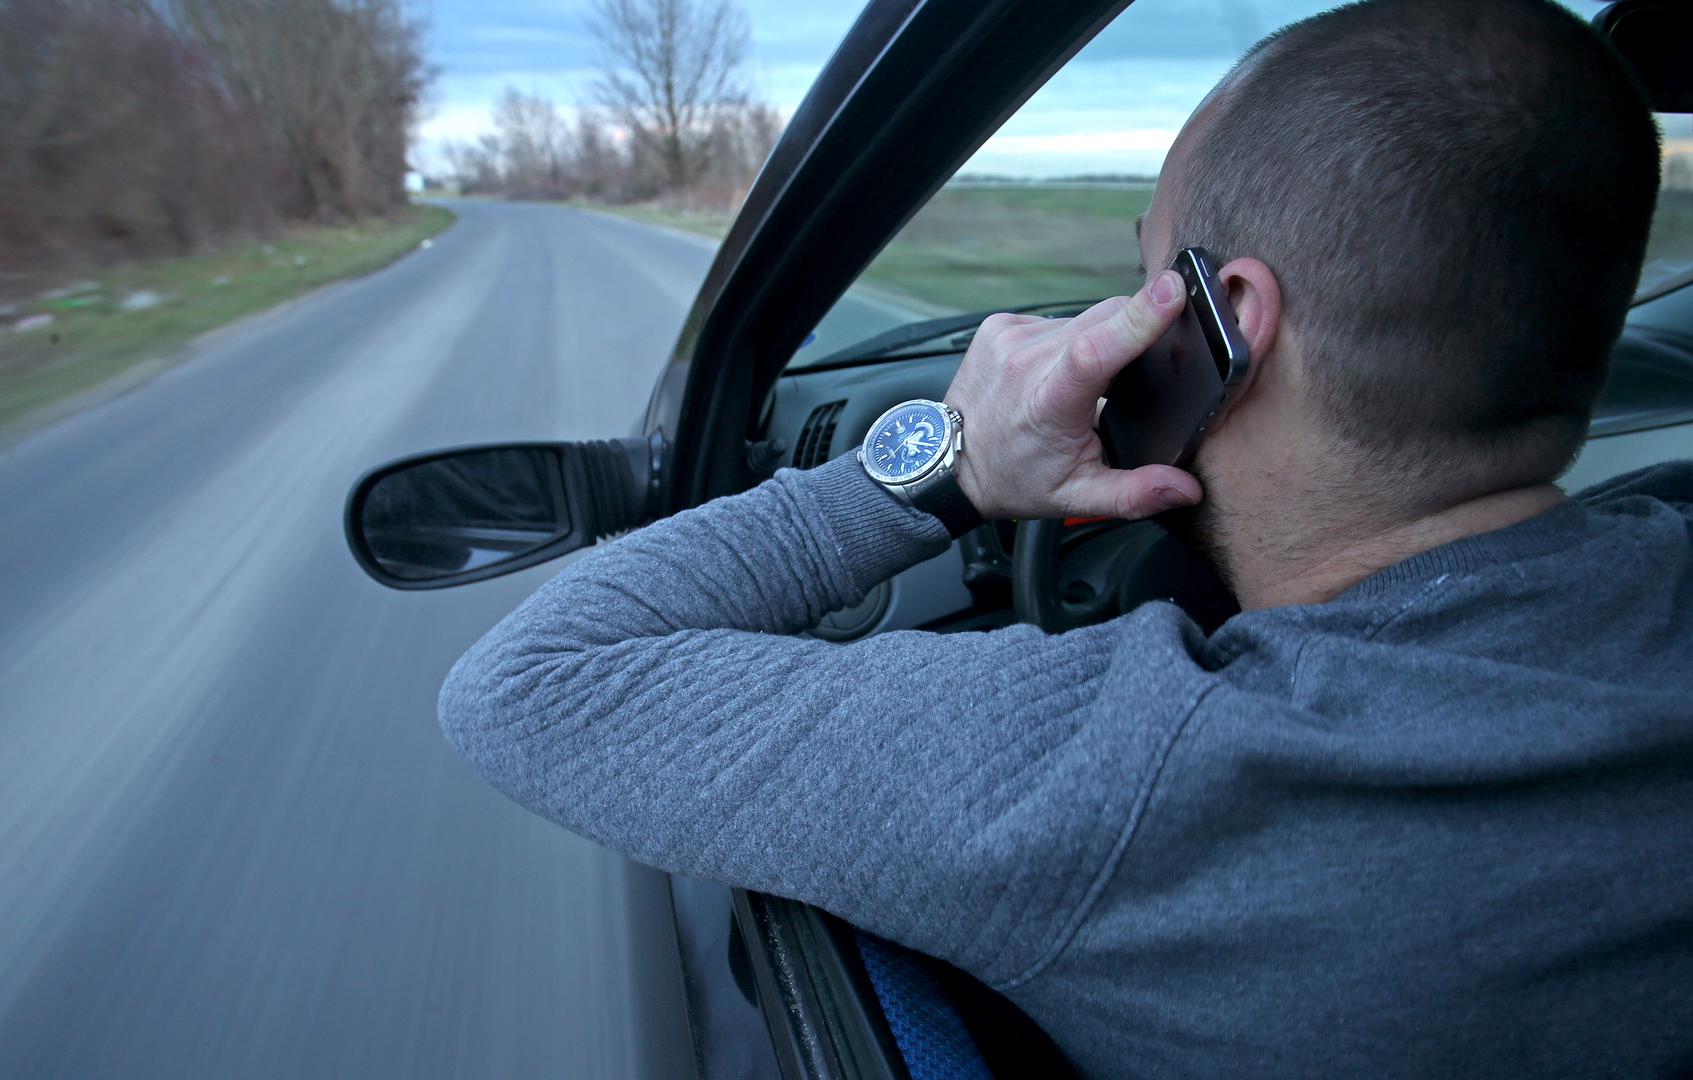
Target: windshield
{"type": "Point", "coordinates": [1044, 213]}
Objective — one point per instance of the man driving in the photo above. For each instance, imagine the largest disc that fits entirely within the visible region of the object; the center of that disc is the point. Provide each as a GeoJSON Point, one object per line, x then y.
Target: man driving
{"type": "Point", "coordinates": [1423, 807]}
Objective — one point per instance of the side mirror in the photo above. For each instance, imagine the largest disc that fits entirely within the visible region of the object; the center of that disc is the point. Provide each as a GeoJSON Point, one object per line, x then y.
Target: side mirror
{"type": "Point", "coordinates": [451, 517]}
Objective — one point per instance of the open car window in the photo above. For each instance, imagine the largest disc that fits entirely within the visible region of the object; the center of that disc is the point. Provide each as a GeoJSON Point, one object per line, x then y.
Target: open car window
{"type": "Point", "coordinates": [1044, 213]}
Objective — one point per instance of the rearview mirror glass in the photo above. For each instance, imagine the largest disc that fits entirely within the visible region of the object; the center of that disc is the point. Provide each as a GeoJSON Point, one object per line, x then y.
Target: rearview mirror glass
{"type": "Point", "coordinates": [465, 512]}
{"type": "Point", "coordinates": [455, 516]}
{"type": "Point", "coordinates": [463, 515]}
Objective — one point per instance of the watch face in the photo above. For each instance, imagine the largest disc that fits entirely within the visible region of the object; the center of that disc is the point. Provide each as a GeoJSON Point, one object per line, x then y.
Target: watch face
{"type": "Point", "coordinates": [905, 442]}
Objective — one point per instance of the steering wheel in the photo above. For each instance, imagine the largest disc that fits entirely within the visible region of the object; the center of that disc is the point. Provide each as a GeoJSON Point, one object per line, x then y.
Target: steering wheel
{"type": "Point", "coordinates": [1063, 579]}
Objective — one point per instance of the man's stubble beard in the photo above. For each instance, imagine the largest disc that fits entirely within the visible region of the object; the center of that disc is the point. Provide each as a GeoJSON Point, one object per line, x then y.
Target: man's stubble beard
{"type": "Point", "coordinates": [1202, 529]}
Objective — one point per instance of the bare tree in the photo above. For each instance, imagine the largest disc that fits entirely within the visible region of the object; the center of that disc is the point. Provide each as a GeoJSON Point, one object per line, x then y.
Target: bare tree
{"type": "Point", "coordinates": [475, 167]}
{"type": "Point", "coordinates": [1678, 171]}
{"type": "Point", "coordinates": [337, 82]}
{"type": "Point", "coordinates": [601, 166]}
{"type": "Point", "coordinates": [117, 138]}
{"type": "Point", "coordinates": [533, 152]}
{"type": "Point", "coordinates": [673, 68]}
{"type": "Point", "coordinates": [534, 143]}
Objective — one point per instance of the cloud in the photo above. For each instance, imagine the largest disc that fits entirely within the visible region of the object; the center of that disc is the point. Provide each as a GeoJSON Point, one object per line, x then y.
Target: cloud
{"type": "Point", "coordinates": [1102, 113]}
{"type": "Point", "coordinates": [1115, 107]}
{"type": "Point", "coordinates": [544, 46]}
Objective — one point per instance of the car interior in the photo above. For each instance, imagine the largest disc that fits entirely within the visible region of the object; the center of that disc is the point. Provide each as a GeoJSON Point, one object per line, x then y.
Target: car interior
{"type": "Point", "coordinates": [765, 356]}
{"type": "Point", "coordinates": [823, 410]}
{"type": "Point", "coordinates": [1061, 575]}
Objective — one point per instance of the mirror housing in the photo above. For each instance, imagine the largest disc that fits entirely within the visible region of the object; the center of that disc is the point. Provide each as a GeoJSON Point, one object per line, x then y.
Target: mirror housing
{"type": "Point", "coordinates": [1655, 38]}
{"type": "Point", "coordinates": [454, 516]}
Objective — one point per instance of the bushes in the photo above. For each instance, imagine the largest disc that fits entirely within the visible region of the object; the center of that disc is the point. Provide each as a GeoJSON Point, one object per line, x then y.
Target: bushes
{"type": "Point", "coordinates": [132, 128]}
{"type": "Point", "coordinates": [533, 153]}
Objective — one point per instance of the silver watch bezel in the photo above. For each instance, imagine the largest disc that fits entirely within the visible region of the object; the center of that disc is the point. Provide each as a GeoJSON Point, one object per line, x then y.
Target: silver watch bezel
{"type": "Point", "coordinates": [945, 459]}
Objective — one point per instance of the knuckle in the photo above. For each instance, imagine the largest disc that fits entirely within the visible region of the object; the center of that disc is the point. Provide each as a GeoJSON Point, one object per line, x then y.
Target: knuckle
{"type": "Point", "coordinates": [1066, 504]}
{"type": "Point", "coordinates": [1024, 328]}
{"type": "Point", "coordinates": [1135, 320]}
{"type": "Point", "coordinates": [1085, 501]}
{"type": "Point", "coordinates": [1085, 355]}
{"type": "Point", "coordinates": [1020, 362]}
{"type": "Point", "coordinates": [1043, 400]}
{"type": "Point", "coordinates": [1112, 307]}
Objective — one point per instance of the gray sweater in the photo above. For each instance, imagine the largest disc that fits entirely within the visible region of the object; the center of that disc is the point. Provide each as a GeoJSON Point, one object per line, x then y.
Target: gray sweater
{"type": "Point", "coordinates": [1440, 825]}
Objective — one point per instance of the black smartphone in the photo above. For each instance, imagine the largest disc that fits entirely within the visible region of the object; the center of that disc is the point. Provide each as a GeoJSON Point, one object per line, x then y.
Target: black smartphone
{"type": "Point", "coordinates": [1158, 408]}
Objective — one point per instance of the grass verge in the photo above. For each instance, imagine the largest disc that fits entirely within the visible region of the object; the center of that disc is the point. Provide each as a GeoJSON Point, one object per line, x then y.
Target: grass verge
{"type": "Point", "coordinates": [711, 223]}
{"type": "Point", "coordinates": [105, 321]}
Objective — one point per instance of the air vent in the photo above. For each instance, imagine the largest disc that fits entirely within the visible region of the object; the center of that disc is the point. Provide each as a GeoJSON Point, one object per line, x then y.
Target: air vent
{"type": "Point", "coordinates": [817, 436]}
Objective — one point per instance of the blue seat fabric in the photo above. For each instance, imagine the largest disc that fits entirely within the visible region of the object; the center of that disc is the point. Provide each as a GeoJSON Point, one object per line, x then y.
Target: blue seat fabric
{"type": "Point", "coordinates": [926, 1024]}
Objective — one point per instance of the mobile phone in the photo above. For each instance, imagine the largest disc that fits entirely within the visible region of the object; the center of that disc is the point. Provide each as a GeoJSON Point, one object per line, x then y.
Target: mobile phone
{"type": "Point", "coordinates": [1158, 409]}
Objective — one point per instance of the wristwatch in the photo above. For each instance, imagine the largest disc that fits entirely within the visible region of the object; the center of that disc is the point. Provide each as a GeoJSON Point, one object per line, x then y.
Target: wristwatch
{"type": "Point", "coordinates": [913, 450]}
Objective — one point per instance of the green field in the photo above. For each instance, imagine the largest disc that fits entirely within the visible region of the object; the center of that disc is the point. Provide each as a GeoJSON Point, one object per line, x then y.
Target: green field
{"type": "Point", "coordinates": [92, 337]}
{"type": "Point", "coordinates": [974, 248]}
{"type": "Point", "coordinates": [982, 247]}
{"type": "Point", "coordinates": [977, 248]}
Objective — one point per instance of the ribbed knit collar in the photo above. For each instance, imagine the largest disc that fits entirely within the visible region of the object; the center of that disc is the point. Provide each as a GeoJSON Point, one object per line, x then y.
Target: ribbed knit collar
{"type": "Point", "coordinates": [1549, 531]}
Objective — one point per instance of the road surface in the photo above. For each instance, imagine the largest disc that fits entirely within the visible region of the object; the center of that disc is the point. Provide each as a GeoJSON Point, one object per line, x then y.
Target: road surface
{"type": "Point", "coordinates": [232, 840]}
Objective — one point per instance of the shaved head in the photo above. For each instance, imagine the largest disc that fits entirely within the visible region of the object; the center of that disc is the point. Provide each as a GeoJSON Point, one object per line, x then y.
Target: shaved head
{"type": "Point", "coordinates": [1455, 197]}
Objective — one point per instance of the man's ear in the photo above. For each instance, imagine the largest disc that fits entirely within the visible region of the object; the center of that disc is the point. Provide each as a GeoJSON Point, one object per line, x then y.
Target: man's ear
{"type": "Point", "coordinates": [1256, 297]}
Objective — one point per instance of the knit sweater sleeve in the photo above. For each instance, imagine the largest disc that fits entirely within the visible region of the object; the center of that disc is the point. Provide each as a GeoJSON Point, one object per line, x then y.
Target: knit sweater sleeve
{"type": "Point", "coordinates": [960, 793]}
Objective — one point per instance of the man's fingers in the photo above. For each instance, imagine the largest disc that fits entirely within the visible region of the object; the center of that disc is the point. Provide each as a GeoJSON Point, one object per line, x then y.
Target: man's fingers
{"type": "Point", "coordinates": [1012, 318]}
{"type": "Point", "coordinates": [1106, 337]}
{"type": "Point", "coordinates": [1004, 320]}
{"type": "Point", "coordinates": [1098, 313]}
{"type": "Point", "coordinates": [1005, 330]}
{"type": "Point", "coordinates": [1130, 494]}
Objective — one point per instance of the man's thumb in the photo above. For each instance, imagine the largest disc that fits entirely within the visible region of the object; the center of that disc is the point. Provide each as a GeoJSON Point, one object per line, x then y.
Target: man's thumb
{"type": "Point", "coordinates": [1131, 494]}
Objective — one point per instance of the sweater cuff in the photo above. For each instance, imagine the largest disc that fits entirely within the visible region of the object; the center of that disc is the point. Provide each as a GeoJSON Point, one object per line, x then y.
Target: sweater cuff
{"type": "Point", "coordinates": [872, 533]}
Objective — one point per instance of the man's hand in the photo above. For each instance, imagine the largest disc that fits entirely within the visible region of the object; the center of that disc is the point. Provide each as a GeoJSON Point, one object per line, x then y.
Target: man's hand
{"type": "Point", "coordinates": [1029, 389]}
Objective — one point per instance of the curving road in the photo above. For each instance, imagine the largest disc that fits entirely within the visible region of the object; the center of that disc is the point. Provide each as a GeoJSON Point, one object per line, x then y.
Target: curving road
{"type": "Point", "coordinates": [232, 841]}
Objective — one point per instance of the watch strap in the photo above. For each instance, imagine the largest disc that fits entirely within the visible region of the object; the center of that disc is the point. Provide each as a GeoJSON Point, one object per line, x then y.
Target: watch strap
{"type": "Point", "coordinates": [947, 501]}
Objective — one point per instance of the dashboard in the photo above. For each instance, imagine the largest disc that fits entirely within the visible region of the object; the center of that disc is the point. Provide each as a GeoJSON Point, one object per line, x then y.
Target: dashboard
{"type": "Point", "coordinates": [1644, 417]}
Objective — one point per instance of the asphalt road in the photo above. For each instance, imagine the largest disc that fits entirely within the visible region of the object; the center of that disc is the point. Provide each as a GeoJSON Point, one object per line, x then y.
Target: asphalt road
{"type": "Point", "coordinates": [232, 840]}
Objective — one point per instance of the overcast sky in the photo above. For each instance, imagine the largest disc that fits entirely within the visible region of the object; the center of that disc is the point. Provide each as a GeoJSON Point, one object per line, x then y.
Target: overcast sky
{"type": "Point", "coordinates": [1114, 108]}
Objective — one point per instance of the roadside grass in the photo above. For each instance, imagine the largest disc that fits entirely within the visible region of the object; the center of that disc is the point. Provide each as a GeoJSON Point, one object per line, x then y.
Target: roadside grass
{"type": "Point", "coordinates": [92, 337]}
{"type": "Point", "coordinates": [710, 223]}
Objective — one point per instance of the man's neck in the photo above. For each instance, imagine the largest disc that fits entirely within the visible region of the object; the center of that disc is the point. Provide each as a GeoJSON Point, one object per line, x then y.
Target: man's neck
{"type": "Point", "coordinates": [1281, 575]}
